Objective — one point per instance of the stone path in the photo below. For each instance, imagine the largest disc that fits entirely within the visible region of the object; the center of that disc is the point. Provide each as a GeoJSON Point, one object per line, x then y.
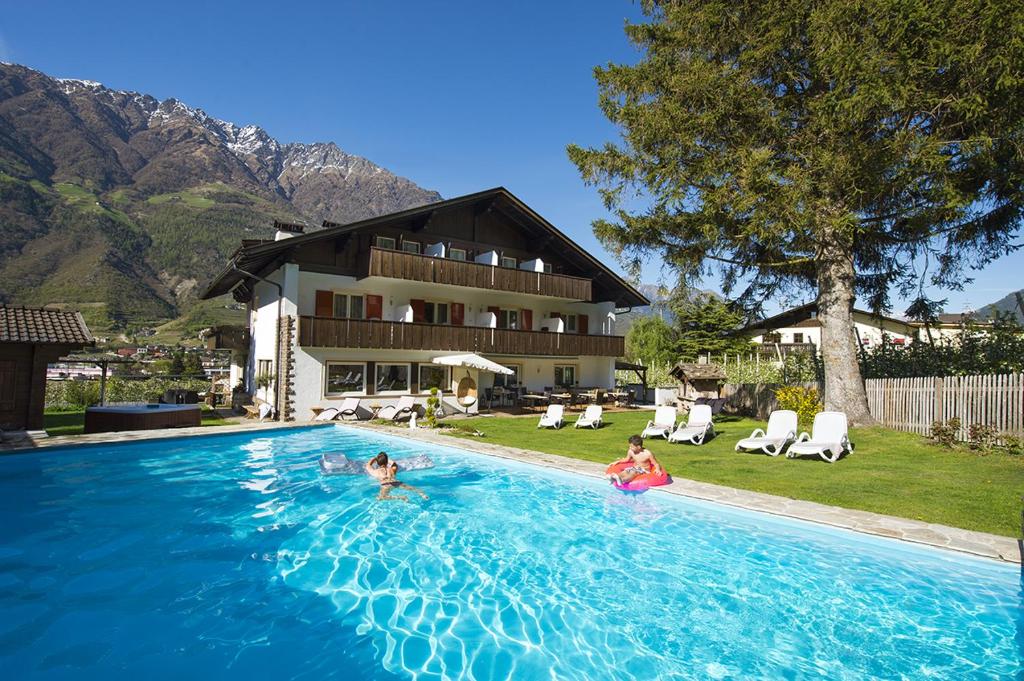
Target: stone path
{"type": "Point", "coordinates": [931, 534]}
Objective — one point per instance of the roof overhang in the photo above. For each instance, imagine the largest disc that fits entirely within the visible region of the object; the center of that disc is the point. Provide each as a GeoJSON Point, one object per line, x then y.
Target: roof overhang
{"type": "Point", "coordinates": [263, 257]}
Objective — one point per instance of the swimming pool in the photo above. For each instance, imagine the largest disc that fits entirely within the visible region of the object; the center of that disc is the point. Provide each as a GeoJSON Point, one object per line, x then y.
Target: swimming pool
{"type": "Point", "coordinates": [232, 557]}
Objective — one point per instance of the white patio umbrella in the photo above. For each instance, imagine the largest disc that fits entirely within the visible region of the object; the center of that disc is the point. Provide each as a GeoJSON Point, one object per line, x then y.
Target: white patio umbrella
{"type": "Point", "coordinates": [466, 393]}
{"type": "Point", "coordinates": [473, 362]}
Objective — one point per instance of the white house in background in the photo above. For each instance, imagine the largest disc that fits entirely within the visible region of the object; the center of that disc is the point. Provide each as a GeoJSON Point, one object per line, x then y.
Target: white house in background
{"type": "Point", "coordinates": [948, 327]}
{"type": "Point", "coordinates": [361, 309]}
{"type": "Point", "coordinates": [800, 326]}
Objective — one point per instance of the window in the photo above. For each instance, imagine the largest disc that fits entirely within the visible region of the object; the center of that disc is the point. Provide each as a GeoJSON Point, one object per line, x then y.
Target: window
{"type": "Point", "coordinates": [435, 313]}
{"type": "Point", "coordinates": [457, 253]}
{"type": "Point", "coordinates": [570, 323]}
{"type": "Point", "coordinates": [348, 306]}
{"type": "Point", "coordinates": [798, 338]}
{"type": "Point", "coordinates": [548, 269]}
{"type": "Point", "coordinates": [508, 262]}
{"type": "Point", "coordinates": [392, 378]}
{"type": "Point", "coordinates": [344, 378]}
{"type": "Point", "coordinates": [509, 380]}
{"type": "Point", "coordinates": [433, 376]}
{"type": "Point", "coordinates": [411, 246]}
{"type": "Point", "coordinates": [385, 242]}
{"type": "Point", "coordinates": [264, 367]}
{"type": "Point", "coordinates": [565, 375]}
{"type": "Point", "coordinates": [508, 319]}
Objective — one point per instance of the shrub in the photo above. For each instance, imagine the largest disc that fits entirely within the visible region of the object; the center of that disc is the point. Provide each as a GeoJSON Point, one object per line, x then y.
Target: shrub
{"type": "Point", "coordinates": [81, 394]}
{"type": "Point", "coordinates": [431, 412]}
{"type": "Point", "coordinates": [982, 436]}
{"type": "Point", "coordinates": [804, 401]}
{"type": "Point", "coordinates": [1013, 444]}
{"type": "Point", "coordinates": [945, 434]}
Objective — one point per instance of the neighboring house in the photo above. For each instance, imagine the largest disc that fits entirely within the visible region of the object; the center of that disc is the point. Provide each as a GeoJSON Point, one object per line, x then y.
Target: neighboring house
{"type": "Point", "coordinates": [361, 309]}
{"type": "Point", "coordinates": [31, 338]}
{"type": "Point", "coordinates": [800, 327]}
{"type": "Point", "coordinates": [948, 327]}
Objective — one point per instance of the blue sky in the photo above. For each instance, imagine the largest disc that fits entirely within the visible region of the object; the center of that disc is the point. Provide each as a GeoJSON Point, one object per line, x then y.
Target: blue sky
{"type": "Point", "coordinates": [457, 96]}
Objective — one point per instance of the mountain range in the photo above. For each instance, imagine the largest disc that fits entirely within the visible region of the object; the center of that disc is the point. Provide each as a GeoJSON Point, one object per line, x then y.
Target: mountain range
{"type": "Point", "coordinates": [123, 206]}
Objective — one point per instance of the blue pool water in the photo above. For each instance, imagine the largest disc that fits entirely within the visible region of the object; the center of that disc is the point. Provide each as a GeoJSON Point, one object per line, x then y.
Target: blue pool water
{"type": "Point", "coordinates": [232, 557]}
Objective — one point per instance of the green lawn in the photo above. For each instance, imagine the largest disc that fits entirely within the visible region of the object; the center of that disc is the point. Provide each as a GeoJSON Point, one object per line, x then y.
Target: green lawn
{"type": "Point", "coordinates": [72, 422]}
{"type": "Point", "coordinates": [890, 472]}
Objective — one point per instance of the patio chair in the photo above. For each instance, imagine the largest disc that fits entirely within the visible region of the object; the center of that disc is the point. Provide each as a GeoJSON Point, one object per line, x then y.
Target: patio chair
{"type": "Point", "coordinates": [328, 414]}
{"type": "Point", "coordinates": [829, 438]}
{"type": "Point", "coordinates": [400, 411]}
{"type": "Point", "coordinates": [782, 425]}
{"type": "Point", "coordinates": [698, 426]}
{"type": "Point", "coordinates": [552, 418]}
{"type": "Point", "coordinates": [350, 407]}
{"type": "Point", "coordinates": [663, 424]}
{"type": "Point", "coordinates": [591, 418]}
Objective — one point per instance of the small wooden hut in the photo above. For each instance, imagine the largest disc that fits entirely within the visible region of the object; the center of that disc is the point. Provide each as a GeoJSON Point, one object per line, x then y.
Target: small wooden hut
{"type": "Point", "coordinates": [698, 380]}
{"type": "Point", "coordinates": [31, 338]}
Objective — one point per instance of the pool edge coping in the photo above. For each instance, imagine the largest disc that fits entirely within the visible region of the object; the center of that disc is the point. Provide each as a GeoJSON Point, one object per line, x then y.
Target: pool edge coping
{"type": "Point", "coordinates": [971, 542]}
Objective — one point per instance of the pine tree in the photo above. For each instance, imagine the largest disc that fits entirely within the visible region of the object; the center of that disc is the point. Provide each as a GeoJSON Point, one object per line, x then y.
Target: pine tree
{"type": "Point", "coordinates": [831, 146]}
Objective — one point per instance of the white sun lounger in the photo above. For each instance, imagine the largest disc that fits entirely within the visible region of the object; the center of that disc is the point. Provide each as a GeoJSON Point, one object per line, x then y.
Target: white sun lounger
{"type": "Point", "coordinates": [829, 438]}
{"type": "Point", "coordinates": [328, 414]}
{"type": "Point", "coordinates": [698, 426]}
{"type": "Point", "coordinates": [591, 418]}
{"type": "Point", "coordinates": [782, 425]}
{"type": "Point", "coordinates": [664, 423]}
{"type": "Point", "coordinates": [348, 408]}
{"type": "Point", "coordinates": [401, 410]}
{"type": "Point", "coordinates": [552, 418]}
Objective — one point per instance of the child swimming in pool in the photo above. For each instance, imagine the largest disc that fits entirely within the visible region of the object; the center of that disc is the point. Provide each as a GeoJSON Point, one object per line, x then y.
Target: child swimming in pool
{"type": "Point", "coordinates": [643, 461]}
{"type": "Point", "coordinates": [386, 472]}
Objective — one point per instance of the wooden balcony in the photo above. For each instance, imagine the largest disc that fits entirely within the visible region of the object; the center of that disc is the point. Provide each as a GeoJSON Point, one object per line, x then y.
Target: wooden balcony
{"type": "Point", "coordinates": [415, 267]}
{"type": "Point", "coordinates": [324, 332]}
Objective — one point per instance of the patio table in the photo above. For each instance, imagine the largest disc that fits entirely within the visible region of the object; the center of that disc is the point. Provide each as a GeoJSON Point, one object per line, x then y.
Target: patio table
{"type": "Point", "coordinates": [534, 400]}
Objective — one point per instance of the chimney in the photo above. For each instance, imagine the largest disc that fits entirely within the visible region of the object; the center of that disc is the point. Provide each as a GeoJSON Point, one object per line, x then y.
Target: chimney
{"type": "Point", "coordinates": [285, 230]}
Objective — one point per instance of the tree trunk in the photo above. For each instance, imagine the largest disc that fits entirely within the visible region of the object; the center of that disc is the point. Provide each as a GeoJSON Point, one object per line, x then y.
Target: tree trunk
{"type": "Point", "coordinates": [844, 387]}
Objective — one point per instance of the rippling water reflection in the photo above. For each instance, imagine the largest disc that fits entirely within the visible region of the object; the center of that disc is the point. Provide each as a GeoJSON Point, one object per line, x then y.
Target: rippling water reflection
{"type": "Point", "coordinates": [233, 555]}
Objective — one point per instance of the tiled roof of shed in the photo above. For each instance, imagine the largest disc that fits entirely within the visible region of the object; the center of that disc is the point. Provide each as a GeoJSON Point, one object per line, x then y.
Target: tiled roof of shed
{"type": "Point", "coordinates": [38, 325]}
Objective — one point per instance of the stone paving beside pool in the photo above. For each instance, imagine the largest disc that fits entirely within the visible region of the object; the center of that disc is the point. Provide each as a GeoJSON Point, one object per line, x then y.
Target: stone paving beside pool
{"type": "Point", "coordinates": [931, 534]}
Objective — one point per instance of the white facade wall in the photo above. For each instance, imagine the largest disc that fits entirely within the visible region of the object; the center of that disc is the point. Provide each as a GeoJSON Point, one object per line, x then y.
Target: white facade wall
{"type": "Point", "coordinates": [869, 329]}
{"type": "Point", "coordinates": [300, 289]}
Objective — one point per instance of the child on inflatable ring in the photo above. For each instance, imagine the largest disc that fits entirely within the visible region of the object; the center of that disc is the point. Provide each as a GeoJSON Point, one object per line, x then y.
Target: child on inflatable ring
{"type": "Point", "coordinates": [639, 461]}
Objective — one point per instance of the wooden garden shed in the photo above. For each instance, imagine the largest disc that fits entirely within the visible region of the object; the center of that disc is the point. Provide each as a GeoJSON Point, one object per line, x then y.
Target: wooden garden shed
{"type": "Point", "coordinates": [31, 338]}
{"type": "Point", "coordinates": [698, 380]}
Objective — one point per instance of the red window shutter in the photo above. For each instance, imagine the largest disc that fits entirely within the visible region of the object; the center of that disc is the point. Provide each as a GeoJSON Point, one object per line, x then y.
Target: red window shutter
{"type": "Point", "coordinates": [458, 314]}
{"type": "Point", "coordinates": [582, 324]}
{"type": "Point", "coordinates": [527, 319]}
{"type": "Point", "coordinates": [374, 307]}
{"type": "Point", "coordinates": [324, 304]}
{"type": "Point", "coordinates": [419, 311]}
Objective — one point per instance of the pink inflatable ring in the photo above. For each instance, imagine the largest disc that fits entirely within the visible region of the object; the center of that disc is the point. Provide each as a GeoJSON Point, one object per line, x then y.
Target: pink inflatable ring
{"type": "Point", "coordinates": [640, 482]}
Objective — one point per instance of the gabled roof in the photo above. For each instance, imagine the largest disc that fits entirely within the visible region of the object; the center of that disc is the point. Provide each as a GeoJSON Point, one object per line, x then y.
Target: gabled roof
{"type": "Point", "coordinates": [258, 257]}
{"type": "Point", "coordinates": [39, 325]}
{"type": "Point", "coordinates": [794, 316]}
{"type": "Point", "coordinates": [697, 372]}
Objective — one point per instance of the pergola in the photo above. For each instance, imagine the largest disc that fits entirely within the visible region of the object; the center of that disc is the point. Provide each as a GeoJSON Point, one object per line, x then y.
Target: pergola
{"type": "Point", "coordinates": [639, 369]}
{"type": "Point", "coordinates": [103, 362]}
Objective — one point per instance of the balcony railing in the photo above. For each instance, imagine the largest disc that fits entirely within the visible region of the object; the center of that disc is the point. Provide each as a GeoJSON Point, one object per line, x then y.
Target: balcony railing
{"type": "Point", "coordinates": [325, 332]}
{"type": "Point", "coordinates": [415, 267]}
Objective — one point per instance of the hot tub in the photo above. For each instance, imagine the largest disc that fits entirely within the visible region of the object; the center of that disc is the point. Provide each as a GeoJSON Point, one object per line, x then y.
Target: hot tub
{"type": "Point", "coordinates": [140, 417]}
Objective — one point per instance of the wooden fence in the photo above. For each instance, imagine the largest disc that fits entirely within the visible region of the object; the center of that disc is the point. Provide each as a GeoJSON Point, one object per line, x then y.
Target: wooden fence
{"type": "Point", "coordinates": [913, 404]}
